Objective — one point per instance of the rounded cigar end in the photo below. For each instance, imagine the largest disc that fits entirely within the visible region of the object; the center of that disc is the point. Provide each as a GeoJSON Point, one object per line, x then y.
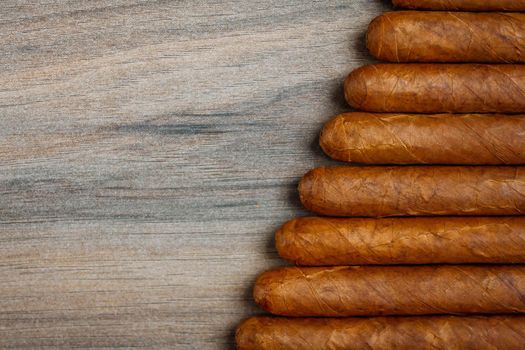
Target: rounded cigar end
{"type": "Point", "coordinates": [306, 186]}
{"type": "Point", "coordinates": [261, 291]}
{"type": "Point", "coordinates": [296, 239]}
{"type": "Point", "coordinates": [246, 334]}
{"type": "Point", "coordinates": [333, 139]}
{"type": "Point", "coordinates": [375, 37]}
{"type": "Point", "coordinates": [355, 88]}
{"type": "Point", "coordinates": [284, 239]}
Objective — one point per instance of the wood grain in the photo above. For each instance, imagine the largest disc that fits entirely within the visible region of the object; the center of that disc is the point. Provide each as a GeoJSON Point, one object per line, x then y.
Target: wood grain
{"type": "Point", "coordinates": [148, 151]}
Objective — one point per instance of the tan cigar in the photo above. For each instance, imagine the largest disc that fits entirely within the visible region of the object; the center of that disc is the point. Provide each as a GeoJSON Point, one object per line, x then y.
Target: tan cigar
{"type": "Point", "coordinates": [414, 36]}
{"type": "Point", "coordinates": [392, 290]}
{"type": "Point", "coordinates": [437, 88]}
{"type": "Point", "coordinates": [323, 241]}
{"type": "Point", "coordinates": [414, 191]}
{"type": "Point", "coordinates": [379, 138]}
{"type": "Point", "coordinates": [383, 333]}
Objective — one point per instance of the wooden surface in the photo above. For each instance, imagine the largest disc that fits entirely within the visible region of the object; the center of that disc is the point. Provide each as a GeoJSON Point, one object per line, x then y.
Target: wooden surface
{"type": "Point", "coordinates": [148, 151]}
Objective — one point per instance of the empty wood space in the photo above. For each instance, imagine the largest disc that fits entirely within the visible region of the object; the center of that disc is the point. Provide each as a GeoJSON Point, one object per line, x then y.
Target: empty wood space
{"type": "Point", "coordinates": [148, 152]}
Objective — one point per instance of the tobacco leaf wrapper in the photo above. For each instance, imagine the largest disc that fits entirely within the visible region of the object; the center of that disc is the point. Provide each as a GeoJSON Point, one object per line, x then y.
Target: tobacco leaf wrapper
{"type": "Point", "coordinates": [437, 88]}
{"type": "Point", "coordinates": [392, 290]}
{"type": "Point", "coordinates": [377, 138]}
{"type": "Point", "coordinates": [383, 333]}
{"type": "Point", "coordinates": [323, 241]}
{"type": "Point", "coordinates": [413, 36]}
{"type": "Point", "coordinates": [414, 191]}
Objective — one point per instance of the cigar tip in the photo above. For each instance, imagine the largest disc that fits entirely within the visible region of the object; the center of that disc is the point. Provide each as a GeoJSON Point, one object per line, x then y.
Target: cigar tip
{"type": "Point", "coordinates": [280, 239]}
{"type": "Point", "coordinates": [305, 187]}
{"type": "Point", "coordinates": [261, 291]}
{"type": "Point", "coordinates": [355, 88]}
{"type": "Point", "coordinates": [333, 138]}
{"type": "Point", "coordinates": [284, 238]}
{"type": "Point", "coordinates": [325, 138]}
{"type": "Point", "coordinates": [293, 240]}
{"type": "Point", "coordinates": [246, 334]}
{"type": "Point", "coordinates": [374, 36]}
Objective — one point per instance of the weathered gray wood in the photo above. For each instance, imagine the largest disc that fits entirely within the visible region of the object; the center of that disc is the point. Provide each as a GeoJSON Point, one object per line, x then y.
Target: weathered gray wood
{"type": "Point", "coordinates": [148, 150]}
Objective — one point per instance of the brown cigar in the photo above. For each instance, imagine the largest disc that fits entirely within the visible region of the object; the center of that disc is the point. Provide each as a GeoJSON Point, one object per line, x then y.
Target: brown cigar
{"type": "Point", "coordinates": [321, 241]}
{"type": "Point", "coordinates": [383, 333]}
{"type": "Point", "coordinates": [425, 139]}
{"type": "Point", "coordinates": [412, 36]}
{"type": "Point", "coordinates": [414, 191]}
{"type": "Point", "coordinates": [462, 5]}
{"type": "Point", "coordinates": [392, 290]}
{"type": "Point", "coordinates": [436, 88]}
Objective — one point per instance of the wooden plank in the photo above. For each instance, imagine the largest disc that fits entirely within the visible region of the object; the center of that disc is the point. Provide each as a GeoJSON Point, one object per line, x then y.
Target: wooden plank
{"type": "Point", "coordinates": [148, 151]}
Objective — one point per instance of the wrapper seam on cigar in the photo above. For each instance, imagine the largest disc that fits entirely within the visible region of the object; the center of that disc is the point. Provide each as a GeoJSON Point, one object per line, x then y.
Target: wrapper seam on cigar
{"type": "Point", "coordinates": [462, 5]}
{"type": "Point", "coordinates": [392, 290]}
{"type": "Point", "coordinates": [323, 241]}
{"type": "Point", "coordinates": [419, 36]}
{"type": "Point", "coordinates": [378, 138]}
{"type": "Point", "coordinates": [415, 191]}
{"type": "Point", "coordinates": [437, 88]}
{"type": "Point", "coordinates": [382, 333]}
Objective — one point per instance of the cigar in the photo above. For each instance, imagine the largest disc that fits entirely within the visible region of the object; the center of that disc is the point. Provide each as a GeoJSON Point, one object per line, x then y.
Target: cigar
{"type": "Point", "coordinates": [322, 241]}
{"type": "Point", "coordinates": [373, 138]}
{"type": "Point", "coordinates": [462, 5]}
{"type": "Point", "coordinates": [412, 36]}
{"type": "Point", "coordinates": [393, 290]}
{"type": "Point", "coordinates": [414, 191]}
{"type": "Point", "coordinates": [437, 88]}
{"type": "Point", "coordinates": [383, 333]}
